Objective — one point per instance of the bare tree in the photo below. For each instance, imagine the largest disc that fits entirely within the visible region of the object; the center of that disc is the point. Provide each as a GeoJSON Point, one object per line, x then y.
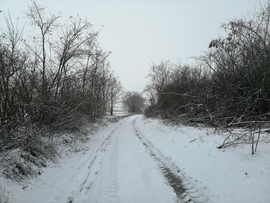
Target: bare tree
{"type": "Point", "coordinates": [75, 41]}
{"type": "Point", "coordinates": [133, 102]}
{"type": "Point", "coordinates": [160, 75]}
{"type": "Point", "coordinates": [39, 45]}
{"type": "Point", "coordinates": [12, 61]}
{"type": "Point", "coordinates": [115, 91]}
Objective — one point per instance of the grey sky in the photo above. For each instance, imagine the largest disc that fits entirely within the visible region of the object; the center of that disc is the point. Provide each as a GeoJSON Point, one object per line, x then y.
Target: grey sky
{"type": "Point", "coordinates": [140, 32]}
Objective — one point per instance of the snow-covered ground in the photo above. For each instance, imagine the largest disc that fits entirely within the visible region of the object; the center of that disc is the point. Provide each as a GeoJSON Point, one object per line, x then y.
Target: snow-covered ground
{"type": "Point", "coordinates": [142, 160]}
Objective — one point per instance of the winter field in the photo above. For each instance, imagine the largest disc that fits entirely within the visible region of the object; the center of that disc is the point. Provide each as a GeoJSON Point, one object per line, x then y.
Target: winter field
{"type": "Point", "coordinates": [142, 160]}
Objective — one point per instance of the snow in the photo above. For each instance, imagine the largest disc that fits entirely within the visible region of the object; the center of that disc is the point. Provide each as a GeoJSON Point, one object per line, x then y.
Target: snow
{"type": "Point", "coordinates": [142, 160]}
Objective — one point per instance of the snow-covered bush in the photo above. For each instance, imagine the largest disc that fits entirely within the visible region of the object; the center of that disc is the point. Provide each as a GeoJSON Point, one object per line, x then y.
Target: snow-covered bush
{"type": "Point", "coordinates": [28, 151]}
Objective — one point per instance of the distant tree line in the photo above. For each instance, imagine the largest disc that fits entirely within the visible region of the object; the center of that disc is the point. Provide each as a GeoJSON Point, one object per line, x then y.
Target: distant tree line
{"type": "Point", "coordinates": [55, 77]}
{"type": "Point", "coordinates": [231, 84]}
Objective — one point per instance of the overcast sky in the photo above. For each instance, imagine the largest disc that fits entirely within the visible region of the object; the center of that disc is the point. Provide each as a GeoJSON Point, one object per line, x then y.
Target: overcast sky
{"type": "Point", "coordinates": [139, 32]}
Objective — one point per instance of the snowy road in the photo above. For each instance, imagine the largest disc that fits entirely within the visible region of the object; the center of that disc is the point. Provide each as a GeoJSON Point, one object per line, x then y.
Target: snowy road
{"type": "Point", "coordinates": [128, 168]}
{"type": "Point", "coordinates": [138, 160]}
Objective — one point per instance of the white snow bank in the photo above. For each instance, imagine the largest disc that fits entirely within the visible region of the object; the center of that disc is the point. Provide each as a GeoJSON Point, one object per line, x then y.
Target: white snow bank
{"type": "Point", "coordinates": [231, 174]}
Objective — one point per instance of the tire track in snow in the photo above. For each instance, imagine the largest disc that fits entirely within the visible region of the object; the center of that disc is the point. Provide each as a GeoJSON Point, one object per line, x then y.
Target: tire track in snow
{"type": "Point", "coordinates": [95, 166]}
{"type": "Point", "coordinates": [185, 187]}
{"type": "Point", "coordinates": [111, 173]}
